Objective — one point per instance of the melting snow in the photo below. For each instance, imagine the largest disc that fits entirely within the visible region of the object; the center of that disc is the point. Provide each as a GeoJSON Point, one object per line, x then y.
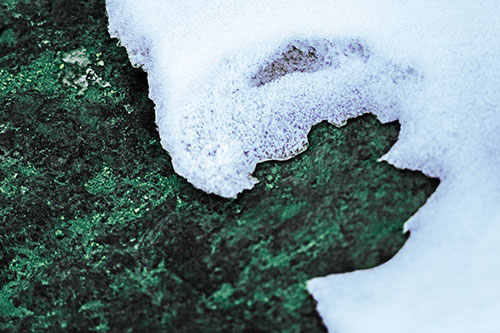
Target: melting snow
{"type": "Point", "coordinates": [240, 82]}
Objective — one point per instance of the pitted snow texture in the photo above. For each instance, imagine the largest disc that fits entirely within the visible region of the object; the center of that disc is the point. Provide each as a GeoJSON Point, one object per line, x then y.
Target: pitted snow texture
{"type": "Point", "coordinates": [240, 82]}
{"type": "Point", "coordinates": [219, 140]}
{"type": "Point", "coordinates": [252, 106]}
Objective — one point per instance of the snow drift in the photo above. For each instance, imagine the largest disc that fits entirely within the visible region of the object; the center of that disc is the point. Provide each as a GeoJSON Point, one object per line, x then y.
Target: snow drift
{"type": "Point", "coordinates": [240, 82]}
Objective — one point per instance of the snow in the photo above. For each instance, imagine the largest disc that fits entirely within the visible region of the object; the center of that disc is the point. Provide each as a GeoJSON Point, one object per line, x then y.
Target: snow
{"type": "Point", "coordinates": [239, 82]}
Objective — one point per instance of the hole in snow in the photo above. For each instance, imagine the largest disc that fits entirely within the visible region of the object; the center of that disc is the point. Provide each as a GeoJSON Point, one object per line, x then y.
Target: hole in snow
{"type": "Point", "coordinates": [308, 56]}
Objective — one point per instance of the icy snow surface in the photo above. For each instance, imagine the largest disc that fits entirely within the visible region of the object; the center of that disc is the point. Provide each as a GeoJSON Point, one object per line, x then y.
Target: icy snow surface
{"type": "Point", "coordinates": [239, 82]}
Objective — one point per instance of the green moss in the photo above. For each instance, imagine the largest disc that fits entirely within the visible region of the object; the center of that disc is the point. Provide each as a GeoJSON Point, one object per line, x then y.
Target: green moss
{"type": "Point", "coordinates": [98, 233]}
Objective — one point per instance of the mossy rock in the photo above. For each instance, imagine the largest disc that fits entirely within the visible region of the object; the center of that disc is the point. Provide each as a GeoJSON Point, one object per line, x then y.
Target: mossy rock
{"type": "Point", "coordinates": [98, 233]}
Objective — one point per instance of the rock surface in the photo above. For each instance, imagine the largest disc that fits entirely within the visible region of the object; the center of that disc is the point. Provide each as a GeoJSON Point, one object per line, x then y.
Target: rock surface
{"type": "Point", "coordinates": [97, 232]}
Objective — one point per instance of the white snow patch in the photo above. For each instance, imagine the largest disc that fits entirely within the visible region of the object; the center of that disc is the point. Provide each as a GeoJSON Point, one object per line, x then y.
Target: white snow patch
{"type": "Point", "coordinates": [78, 57]}
{"type": "Point", "coordinates": [239, 82]}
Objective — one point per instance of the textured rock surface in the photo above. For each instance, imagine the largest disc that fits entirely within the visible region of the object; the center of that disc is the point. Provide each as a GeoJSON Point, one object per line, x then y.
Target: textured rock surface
{"type": "Point", "coordinates": [98, 233]}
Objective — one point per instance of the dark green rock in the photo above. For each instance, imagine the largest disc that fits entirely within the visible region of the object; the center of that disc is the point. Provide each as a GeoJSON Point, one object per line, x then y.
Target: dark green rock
{"type": "Point", "coordinates": [98, 233]}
